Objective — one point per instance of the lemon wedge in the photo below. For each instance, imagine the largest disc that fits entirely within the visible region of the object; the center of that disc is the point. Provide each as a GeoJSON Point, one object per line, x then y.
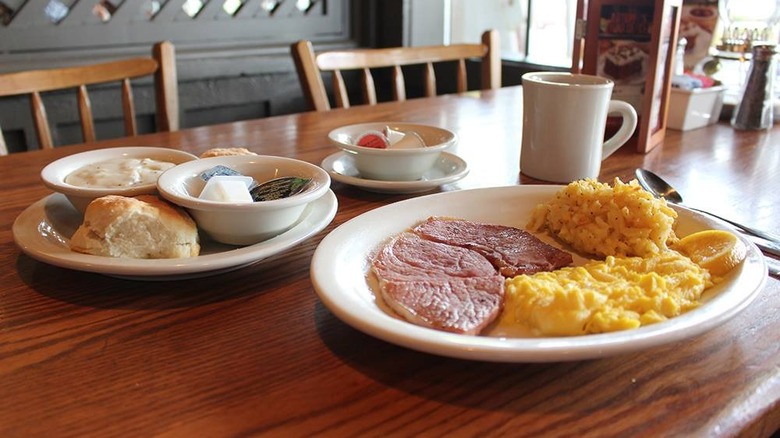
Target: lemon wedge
{"type": "Point", "coordinates": [717, 251]}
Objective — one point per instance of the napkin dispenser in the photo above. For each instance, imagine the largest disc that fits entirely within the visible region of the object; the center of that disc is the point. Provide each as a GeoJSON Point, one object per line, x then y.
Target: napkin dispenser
{"type": "Point", "coordinates": [696, 108]}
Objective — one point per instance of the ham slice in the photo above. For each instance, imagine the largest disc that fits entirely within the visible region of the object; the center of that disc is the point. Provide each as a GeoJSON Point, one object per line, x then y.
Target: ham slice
{"type": "Point", "coordinates": [448, 274]}
{"type": "Point", "coordinates": [439, 286]}
{"type": "Point", "coordinates": [511, 250]}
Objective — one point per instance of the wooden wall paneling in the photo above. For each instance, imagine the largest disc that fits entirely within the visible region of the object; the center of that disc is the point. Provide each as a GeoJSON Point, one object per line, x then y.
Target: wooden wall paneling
{"type": "Point", "coordinates": [168, 11]}
{"type": "Point", "coordinates": [30, 30]}
{"type": "Point", "coordinates": [28, 15]}
{"type": "Point", "coordinates": [80, 14]}
{"type": "Point", "coordinates": [250, 10]}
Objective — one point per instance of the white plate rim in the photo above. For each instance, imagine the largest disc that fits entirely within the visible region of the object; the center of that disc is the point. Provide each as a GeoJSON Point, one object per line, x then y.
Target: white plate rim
{"type": "Point", "coordinates": [347, 297]}
{"type": "Point", "coordinates": [29, 239]}
{"type": "Point", "coordinates": [461, 170]}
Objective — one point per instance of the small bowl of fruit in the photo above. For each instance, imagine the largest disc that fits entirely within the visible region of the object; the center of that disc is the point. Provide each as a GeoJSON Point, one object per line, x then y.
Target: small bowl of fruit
{"type": "Point", "coordinates": [243, 200]}
{"type": "Point", "coordinates": [393, 151]}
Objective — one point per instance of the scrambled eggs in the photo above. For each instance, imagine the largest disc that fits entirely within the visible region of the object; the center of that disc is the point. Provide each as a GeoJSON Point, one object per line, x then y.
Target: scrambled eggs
{"type": "Point", "coordinates": [603, 220]}
{"type": "Point", "coordinates": [616, 294]}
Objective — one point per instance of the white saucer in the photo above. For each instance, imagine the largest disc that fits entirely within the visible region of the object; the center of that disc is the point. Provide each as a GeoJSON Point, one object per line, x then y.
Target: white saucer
{"type": "Point", "coordinates": [447, 169]}
{"type": "Point", "coordinates": [43, 231]}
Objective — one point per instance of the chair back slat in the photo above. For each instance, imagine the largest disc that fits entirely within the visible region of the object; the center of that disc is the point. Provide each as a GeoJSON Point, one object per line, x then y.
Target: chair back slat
{"type": "Point", "coordinates": [491, 63]}
{"type": "Point", "coordinates": [85, 113]}
{"type": "Point", "coordinates": [128, 108]}
{"type": "Point", "coordinates": [376, 58]}
{"type": "Point", "coordinates": [41, 121]}
{"type": "Point", "coordinates": [3, 146]}
{"type": "Point", "coordinates": [462, 78]}
{"type": "Point", "coordinates": [340, 91]}
{"type": "Point", "coordinates": [42, 81]}
{"type": "Point", "coordinates": [369, 89]}
{"type": "Point", "coordinates": [166, 87]}
{"type": "Point", "coordinates": [430, 80]}
{"type": "Point", "coordinates": [310, 77]}
{"type": "Point", "coordinates": [399, 85]}
{"type": "Point", "coordinates": [161, 65]}
{"type": "Point", "coordinates": [311, 65]}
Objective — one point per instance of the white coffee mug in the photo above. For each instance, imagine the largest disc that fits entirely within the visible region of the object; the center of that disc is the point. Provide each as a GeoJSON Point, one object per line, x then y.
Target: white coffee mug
{"type": "Point", "coordinates": [564, 118]}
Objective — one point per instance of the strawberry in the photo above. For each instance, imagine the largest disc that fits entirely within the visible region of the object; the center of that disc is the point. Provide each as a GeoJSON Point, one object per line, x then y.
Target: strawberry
{"type": "Point", "coordinates": [372, 139]}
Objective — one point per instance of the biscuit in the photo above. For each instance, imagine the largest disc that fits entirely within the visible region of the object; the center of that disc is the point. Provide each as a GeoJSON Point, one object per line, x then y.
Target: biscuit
{"type": "Point", "coordinates": [143, 227]}
{"type": "Point", "coordinates": [221, 152]}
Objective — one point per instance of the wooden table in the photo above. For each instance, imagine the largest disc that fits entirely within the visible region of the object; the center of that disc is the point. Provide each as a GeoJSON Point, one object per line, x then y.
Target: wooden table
{"type": "Point", "coordinates": [254, 351]}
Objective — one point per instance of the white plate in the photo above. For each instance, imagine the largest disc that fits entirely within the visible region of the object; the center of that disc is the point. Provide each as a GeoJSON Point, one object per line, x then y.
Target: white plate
{"type": "Point", "coordinates": [340, 266]}
{"type": "Point", "coordinates": [447, 169]}
{"type": "Point", "coordinates": [43, 230]}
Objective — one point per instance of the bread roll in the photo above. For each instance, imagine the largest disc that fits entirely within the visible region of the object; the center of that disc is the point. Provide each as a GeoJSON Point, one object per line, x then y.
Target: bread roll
{"type": "Point", "coordinates": [143, 227]}
{"type": "Point", "coordinates": [221, 152]}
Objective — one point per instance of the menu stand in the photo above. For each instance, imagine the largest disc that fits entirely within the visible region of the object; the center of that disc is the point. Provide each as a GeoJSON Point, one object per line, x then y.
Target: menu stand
{"type": "Point", "coordinates": [632, 42]}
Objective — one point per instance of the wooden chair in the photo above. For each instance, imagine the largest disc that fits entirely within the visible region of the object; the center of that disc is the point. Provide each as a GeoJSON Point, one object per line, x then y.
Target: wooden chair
{"type": "Point", "coordinates": [162, 64]}
{"type": "Point", "coordinates": [3, 146]}
{"type": "Point", "coordinates": [310, 66]}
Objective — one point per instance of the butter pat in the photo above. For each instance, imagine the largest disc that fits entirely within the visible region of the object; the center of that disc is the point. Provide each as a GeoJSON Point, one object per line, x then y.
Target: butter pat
{"type": "Point", "coordinates": [227, 189]}
{"type": "Point", "coordinates": [410, 140]}
{"type": "Point", "coordinates": [392, 135]}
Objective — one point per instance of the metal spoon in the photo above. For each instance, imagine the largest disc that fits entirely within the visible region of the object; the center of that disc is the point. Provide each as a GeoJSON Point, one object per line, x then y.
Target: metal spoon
{"type": "Point", "coordinates": [661, 189]}
{"type": "Point", "coordinates": [773, 265]}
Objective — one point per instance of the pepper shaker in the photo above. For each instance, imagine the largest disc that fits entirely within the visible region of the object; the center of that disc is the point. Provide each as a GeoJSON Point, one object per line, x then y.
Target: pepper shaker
{"type": "Point", "coordinates": [754, 110]}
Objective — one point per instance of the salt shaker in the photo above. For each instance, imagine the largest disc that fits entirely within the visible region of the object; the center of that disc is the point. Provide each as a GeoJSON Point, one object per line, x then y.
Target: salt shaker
{"type": "Point", "coordinates": [754, 110]}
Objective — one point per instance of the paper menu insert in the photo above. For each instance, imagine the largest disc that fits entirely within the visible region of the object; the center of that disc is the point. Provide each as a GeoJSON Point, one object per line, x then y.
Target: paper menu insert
{"type": "Point", "coordinates": [698, 21]}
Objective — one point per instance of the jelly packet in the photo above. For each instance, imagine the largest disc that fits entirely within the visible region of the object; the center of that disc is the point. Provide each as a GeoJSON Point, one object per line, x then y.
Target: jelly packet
{"type": "Point", "coordinates": [279, 188]}
{"type": "Point", "coordinates": [232, 186]}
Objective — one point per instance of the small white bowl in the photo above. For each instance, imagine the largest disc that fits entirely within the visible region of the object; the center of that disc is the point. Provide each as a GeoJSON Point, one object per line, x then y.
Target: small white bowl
{"type": "Point", "coordinates": [54, 174]}
{"type": "Point", "coordinates": [393, 164]}
{"type": "Point", "coordinates": [243, 223]}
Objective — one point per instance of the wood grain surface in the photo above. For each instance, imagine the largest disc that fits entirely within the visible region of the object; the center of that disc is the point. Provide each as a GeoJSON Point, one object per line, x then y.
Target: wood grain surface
{"type": "Point", "coordinates": [254, 352]}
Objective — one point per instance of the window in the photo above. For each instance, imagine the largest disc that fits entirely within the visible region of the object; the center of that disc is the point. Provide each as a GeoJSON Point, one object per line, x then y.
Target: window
{"type": "Point", "coordinates": [534, 31]}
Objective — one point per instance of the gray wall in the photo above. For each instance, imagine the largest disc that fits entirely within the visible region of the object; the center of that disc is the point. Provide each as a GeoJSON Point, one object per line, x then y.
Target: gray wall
{"type": "Point", "coordinates": [230, 67]}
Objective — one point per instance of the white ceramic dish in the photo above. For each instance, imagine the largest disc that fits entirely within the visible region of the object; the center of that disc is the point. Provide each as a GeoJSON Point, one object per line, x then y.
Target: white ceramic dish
{"type": "Point", "coordinates": [393, 164]}
{"type": "Point", "coordinates": [43, 230]}
{"type": "Point", "coordinates": [53, 175]}
{"type": "Point", "coordinates": [243, 223]}
{"type": "Point", "coordinates": [693, 109]}
{"type": "Point", "coordinates": [340, 265]}
{"type": "Point", "coordinates": [448, 168]}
